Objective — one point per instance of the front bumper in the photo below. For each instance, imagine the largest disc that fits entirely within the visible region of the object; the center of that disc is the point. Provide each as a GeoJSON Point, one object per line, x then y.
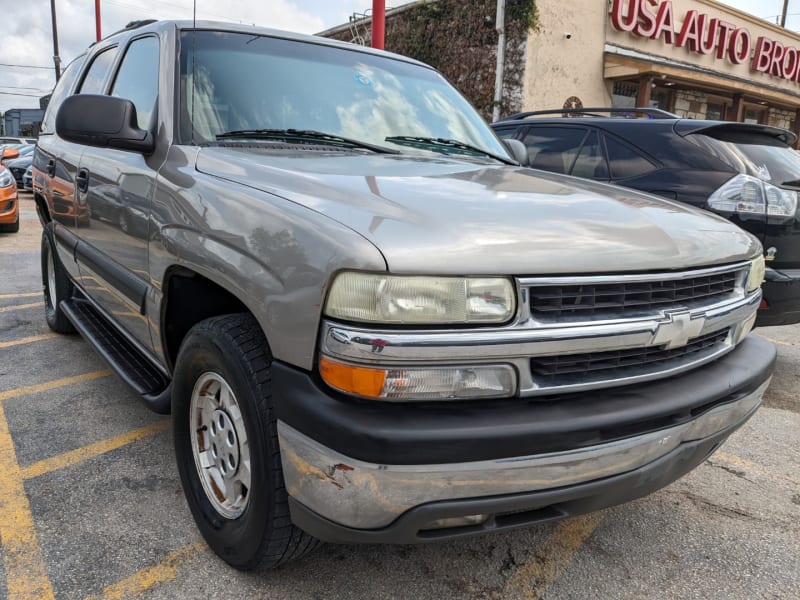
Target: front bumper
{"type": "Point", "coordinates": [781, 292]}
{"type": "Point", "coordinates": [590, 452]}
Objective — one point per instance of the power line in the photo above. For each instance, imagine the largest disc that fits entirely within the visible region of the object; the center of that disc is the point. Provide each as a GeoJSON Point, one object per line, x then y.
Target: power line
{"type": "Point", "coordinates": [17, 94]}
{"type": "Point", "coordinates": [25, 66]}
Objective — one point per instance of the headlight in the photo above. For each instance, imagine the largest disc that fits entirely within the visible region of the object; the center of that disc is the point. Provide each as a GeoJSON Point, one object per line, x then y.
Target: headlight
{"type": "Point", "coordinates": [6, 179]}
{"type": "Point", "coordinates": [756, 276]}
{"type": "Point", "coordinates": [409, 300]}
{"type": "Point", "coordinates": [749, 195]}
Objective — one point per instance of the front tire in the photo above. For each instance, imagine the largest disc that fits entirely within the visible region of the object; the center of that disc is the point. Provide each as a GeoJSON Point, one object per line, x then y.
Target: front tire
{"type": "Point", "coordinates": [226, 445]}
{"type": "Point", "coordinates": [57, 284]}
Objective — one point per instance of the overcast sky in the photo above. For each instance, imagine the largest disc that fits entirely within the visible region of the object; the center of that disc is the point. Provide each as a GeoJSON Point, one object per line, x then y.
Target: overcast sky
{"type": "Point", "coordinates": [27, 38]}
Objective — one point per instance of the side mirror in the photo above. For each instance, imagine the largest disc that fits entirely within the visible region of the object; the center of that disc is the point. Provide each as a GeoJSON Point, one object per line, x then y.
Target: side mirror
{"type": "Point", "coordinates": [103, 121]}
{"type": "Point", "coordinates": [10, 153]}
{"type": "Point", "coordinates": [517, 150]}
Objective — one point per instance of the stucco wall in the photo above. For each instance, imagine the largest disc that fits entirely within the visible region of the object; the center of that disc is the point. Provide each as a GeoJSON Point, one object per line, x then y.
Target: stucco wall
{"type": "Point", "coordinates": [559, 67]}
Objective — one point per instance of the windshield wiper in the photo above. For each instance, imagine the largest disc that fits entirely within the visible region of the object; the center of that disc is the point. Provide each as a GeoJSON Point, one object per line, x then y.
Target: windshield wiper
{"type": "Point", "coordinates": [304, 135]}
{"type": "Point", "coordinates": [443, 145]}
{"type": "Point", "coordinates": [795, 183]}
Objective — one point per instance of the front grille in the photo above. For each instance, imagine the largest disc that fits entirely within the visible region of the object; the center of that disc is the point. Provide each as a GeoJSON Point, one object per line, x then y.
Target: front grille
{"type": "Point", "coordinates": [617, 299]}
{"type": "Point", "coordinates": [618, 364]}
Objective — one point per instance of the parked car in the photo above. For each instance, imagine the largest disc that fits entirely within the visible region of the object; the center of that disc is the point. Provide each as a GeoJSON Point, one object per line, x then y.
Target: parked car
{"type": "Point", "coordinates": [18, 166]}
{"type": "Point", "coordinates": [12, 151]}
{"type": "Point", "coordinates": [369, 322]}
{"type": "Point", "coordinates": [747, 173]}
{"type": "Point", "coordinates": [16, 140]}
{"type": "Point", "coordinates": [27, 179]}
{"type": "Point", "coordinates": [9, 202]}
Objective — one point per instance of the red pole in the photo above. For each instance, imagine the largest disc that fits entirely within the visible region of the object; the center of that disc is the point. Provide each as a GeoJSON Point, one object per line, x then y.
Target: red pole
{"type": "Point", "coordinates": [378, 23]}
{"type": "Point", "coordinates": [97, 19]}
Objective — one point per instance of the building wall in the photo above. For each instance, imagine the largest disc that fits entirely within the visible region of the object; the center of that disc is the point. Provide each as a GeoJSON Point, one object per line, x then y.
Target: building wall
{"type": "Point", "coordinates": [559, 67]}
{"type": "Point", "coordinates": [690, 104]}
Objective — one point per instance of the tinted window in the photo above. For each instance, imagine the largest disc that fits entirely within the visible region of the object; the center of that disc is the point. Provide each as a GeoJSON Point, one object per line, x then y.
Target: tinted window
{"type": "Point", "coordinates": [553, 148]}
{"type": "Point", "coordinates": [96, 76]}
{"type": "Point", "coordinates": [591, 163]}
{"type": "Point", "coordinates": [625, 162]}
{"type": "Point", "coordinates": [137, 78]}
{"type": "Point", "coordinates": [59, 93]}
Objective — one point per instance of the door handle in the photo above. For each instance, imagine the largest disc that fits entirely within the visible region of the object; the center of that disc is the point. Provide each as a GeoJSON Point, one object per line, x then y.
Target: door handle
{"type": "Point", "coordinates": [82, 179]}
{"type": "Point", "coordinates": [51, 167]}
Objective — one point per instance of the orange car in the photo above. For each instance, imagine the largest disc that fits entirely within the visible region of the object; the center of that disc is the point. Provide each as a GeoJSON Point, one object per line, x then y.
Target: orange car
{"type": "Point", "coordinates": [9, 203]}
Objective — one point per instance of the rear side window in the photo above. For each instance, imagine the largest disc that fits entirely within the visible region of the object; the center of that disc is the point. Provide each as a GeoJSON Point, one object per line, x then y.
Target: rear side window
{"type": "Point", "coordinates": [137, 78]}
{"type": "Point", "coordinates": [554, 148]}
{"type": "Point", "coordinates": [624, 161]}
{"type": "Point", "coordinates": [591, 163]}
{"type": "Point", "coordinates": [96, 76]}
{"type": "Point", "coordinates": [63, 88]}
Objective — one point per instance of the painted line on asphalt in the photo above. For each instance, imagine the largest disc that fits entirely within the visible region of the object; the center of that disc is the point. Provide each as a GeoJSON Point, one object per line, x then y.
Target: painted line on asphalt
{"type": "Point", "coordinates": [21, 295]}
{"type": "Point", "coordinates": [551, 560]}
{"type": "Point", "coordinates": [743, 463]}
{"type": "Point", "coordinates": [19, 306]}
{"type": "Point", "coordinates": [141, 581]}
{"type": "Point", "coordinates": [50, 385]}
{"type": "Point", "coordinates": [25, 571]}
{"type": "Point", "coordinates": [779, 342]}
{"type": "Point", "coordinates": [78, 455]}
{"type": "Point", "coordinates": [29, 340]}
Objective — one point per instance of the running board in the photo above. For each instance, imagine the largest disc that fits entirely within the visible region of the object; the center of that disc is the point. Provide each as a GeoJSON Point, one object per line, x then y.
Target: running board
{"type": "Point", "coordinates": [127, 361]}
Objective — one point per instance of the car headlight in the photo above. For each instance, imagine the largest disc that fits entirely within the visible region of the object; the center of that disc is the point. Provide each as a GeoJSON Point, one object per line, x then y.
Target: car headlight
{"type": "Point", "coordinates": [757, 272]}
{"type": "Point", "coordinates": [410, 300]}
{"type": "Point", "coordinates": [6, 179]}
{"type": "Point", "coordinates": [748, 195]}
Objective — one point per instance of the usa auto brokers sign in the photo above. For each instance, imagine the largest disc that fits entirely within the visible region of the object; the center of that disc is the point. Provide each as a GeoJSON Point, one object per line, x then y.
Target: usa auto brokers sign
{"type": "Point", "coordinates": [703, 34]}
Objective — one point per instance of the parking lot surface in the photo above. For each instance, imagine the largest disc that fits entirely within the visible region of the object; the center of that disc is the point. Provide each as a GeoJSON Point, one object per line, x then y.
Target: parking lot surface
{"type": "Point", "coordinates": [91, 504]}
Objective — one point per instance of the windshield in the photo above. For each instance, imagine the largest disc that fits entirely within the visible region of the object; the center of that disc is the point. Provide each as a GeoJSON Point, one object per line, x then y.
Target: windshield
{"type": "Point", "coordinates": [779, 165]}
{"type": "Point", "coordinates": [235, 81]}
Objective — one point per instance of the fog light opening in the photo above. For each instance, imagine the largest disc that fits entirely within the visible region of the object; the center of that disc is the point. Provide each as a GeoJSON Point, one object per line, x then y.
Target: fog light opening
{"type": "Point", "coordinates": [456, 522]}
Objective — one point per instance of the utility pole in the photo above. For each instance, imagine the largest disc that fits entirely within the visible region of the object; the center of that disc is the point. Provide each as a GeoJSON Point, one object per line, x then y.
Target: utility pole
{"type": "Point", "coordinates": [97, 19]}
{"type": "Point", "coordinates": [783, 12]}
{"type": "Point", "coordinates": [56, 58]}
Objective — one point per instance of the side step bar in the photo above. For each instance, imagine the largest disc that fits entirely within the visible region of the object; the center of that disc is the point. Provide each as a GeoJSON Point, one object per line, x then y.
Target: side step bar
{"type": "Point", "coordinates": [127, 361]}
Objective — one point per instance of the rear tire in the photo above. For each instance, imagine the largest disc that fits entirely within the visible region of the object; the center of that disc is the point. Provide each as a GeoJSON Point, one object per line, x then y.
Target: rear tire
{"type": "Point", "coordinates": [226, 445]}
{"type": "Point", "coordinates": [57, 284]}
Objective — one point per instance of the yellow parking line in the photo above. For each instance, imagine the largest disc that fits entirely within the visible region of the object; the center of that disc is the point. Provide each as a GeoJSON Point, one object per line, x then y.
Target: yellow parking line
{"type": "Point", "coordinates": [550, 561]}
{"type": "Point", "coordinates": [49, 385]}
{"type": "Point", "coordinates": [149, 577]}
{"type": "Point", "coordinates": [19, 306]}
{"type": "Point", "coordinates": [779, 342]}
{"type": "Point", "coordinates": [28, 340]}
{"type": "Point", "coordinates": [743, 463]}
{"type": "Point", "coordinates": [26, 575]}
{"type": "Point", "coordinates": [92, 450]}
{"type": "Point", "coordinates": [21, 295]}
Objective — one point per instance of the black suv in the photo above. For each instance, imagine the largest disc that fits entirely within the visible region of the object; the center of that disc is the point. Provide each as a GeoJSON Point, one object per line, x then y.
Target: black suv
{"type": "Point", "coordinates": [747, 173]}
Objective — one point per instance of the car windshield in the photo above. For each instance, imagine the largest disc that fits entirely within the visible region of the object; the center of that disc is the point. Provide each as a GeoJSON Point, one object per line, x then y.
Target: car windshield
{"type": "Point", "coordinates": [235, 82]}
{"type": "Point", "coordinates": [777, 164]}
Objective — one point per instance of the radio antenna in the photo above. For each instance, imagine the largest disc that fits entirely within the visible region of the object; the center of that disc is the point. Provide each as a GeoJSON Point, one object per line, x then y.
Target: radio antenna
{"type": "Point", "coordinates": [194, 51]}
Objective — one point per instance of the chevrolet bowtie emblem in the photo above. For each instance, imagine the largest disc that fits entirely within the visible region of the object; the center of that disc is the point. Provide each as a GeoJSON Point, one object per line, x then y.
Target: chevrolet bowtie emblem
{"type": "Point", "coordinates": [679, 328]}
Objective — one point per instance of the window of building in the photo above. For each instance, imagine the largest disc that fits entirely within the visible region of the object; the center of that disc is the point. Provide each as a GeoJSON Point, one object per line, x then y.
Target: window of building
{"type": "Point", "coordinates": [623, 94]}
{"type": "Point", "coordinates": [661, 98]}
{"type": "Point", "coordinates": [715, 111]}
{"type": "Point", "coordinates": [754, 115]}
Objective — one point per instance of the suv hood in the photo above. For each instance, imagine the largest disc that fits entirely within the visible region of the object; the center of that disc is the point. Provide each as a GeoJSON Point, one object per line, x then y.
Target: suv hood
{"type": "Point", "coordinates": [454, 216]}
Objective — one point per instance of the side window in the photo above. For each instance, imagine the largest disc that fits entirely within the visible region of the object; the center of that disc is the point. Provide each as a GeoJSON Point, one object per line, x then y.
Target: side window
{"type": "Point", "coordinates": [625, 162]}
{"type": "Point", "coordinates": [96, 76]}
{"type": "Point", "coordinates": [591, 163]}
{"type": "Point", "coordinates": [509, 133]}
{"type": "Point", "coordinates": [137, 78]}
{"type": "Point", "coordinates": [553, 148]}
{"type": "Point", "coordinates": [63, 87]}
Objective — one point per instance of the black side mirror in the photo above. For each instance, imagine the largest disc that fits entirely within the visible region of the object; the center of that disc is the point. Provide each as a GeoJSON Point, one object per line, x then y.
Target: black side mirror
{"type": "Point", "coordinates": [104, 121]}
{"type": "Point", "coordinates": [517, 150]}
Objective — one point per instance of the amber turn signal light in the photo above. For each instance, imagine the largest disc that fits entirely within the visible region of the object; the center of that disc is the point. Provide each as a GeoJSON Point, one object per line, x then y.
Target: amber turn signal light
{"type": "Point", "coordinates": [361, 381]}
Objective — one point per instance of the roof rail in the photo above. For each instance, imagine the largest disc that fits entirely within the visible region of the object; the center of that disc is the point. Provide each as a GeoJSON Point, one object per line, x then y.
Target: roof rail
{"type": "Point", "coordinates": [132, 25]}
{"type": "Point", "coordinates": [627, 113]}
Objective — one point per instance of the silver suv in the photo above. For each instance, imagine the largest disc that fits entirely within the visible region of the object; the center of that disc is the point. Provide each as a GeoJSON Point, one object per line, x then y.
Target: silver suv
{"type": "Point", "coordinates": [369, 323]}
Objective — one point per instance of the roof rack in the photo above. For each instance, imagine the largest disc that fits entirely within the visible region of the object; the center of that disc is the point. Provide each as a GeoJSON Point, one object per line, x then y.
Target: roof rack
{"type": "Point", "coordinates": [132, 25]}
{"type": "Point", "coordinates": [627, 113]}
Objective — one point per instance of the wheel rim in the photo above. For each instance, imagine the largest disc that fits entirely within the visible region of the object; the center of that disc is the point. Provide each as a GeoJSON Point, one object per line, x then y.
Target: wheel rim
{"type": "Point", "coordinates": [51, 279]}
{"type": "Point", "coordinates": [219, 445]}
